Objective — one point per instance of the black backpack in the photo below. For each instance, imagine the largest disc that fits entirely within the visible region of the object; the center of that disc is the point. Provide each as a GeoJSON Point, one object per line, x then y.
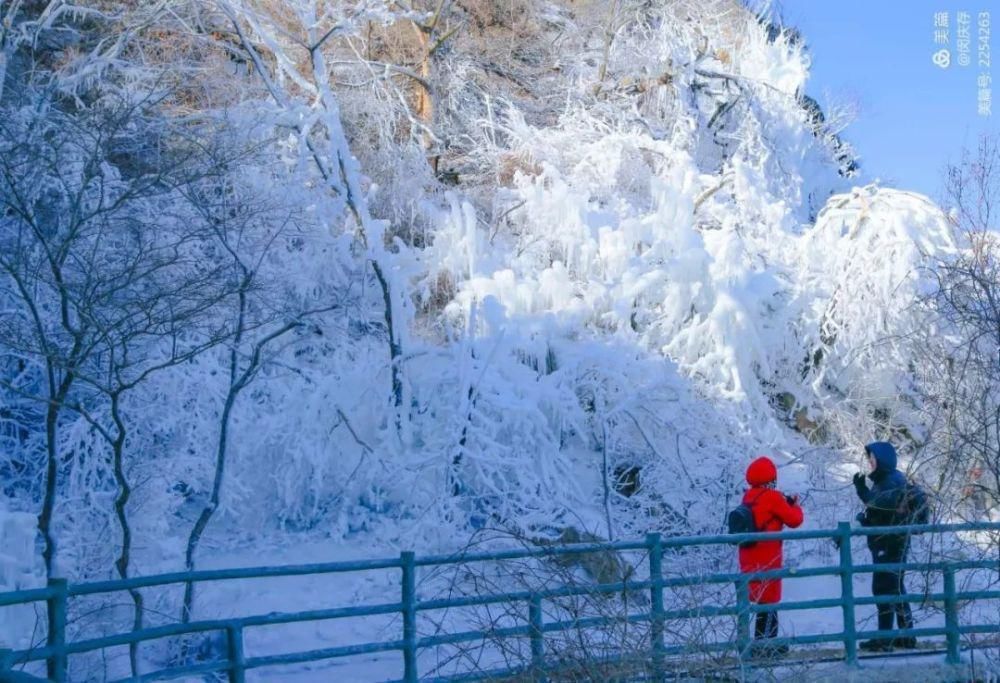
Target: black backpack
{"type": "Point", "coordinates": [741, 522]}
{"type": "Point", "coordinates": [913, 507]}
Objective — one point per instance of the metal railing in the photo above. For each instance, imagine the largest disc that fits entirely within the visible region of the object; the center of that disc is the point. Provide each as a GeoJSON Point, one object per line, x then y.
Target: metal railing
{"type": "Point", "coordinates": [58, 592]}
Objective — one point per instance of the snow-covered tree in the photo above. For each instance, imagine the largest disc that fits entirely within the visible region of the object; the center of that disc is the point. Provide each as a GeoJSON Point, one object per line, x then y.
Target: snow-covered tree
{"type": "Point", "coordinates": [385, 272]}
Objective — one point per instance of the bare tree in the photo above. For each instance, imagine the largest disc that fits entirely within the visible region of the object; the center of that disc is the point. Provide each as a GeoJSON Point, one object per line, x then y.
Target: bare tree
{"type": "Point", "coordinates": [961, 349]}
{"type": "Point", "coordinates": [322, 134]}
{"type": "Point", "coordinates": [259, 314]}
{"type": "Point", "coordinates": [100, 230]}
{"type": "Point", "coordinates": [58, 203]}
{"type": "Point", "coordinates": [600, 610]}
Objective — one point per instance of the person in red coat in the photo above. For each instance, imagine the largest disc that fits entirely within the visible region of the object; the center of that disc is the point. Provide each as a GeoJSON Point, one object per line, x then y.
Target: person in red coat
{"type": "Point", "coordinates": [772, 511]}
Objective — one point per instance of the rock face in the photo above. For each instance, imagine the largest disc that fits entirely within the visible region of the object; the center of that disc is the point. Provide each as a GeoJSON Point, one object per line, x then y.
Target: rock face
{"type": "Point", "coordinates": [603, 567]}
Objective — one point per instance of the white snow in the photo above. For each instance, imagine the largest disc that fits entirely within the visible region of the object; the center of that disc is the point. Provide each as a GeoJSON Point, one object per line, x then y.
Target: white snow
{"type": "Point", "coordinates": [665, 280]}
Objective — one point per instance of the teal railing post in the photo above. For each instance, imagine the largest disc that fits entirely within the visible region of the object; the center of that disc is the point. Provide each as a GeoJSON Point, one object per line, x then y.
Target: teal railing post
{"type": "Point", "coordinates": [951, 616]}
{"type": "Point", "coordinates": [537, 639]}
{"type": "Point", "coordinates": [234, 646]}
{"type": "Point", "coordinates": [655, 544]}
{"type": "Point", "coordinates": [56, 665]}
{"type": "Point", "coordinates": [408, 564]}
{"type": "Point", "coordinates": [743, 616]}
{"type": "Point", "coordinates": [847, 592]}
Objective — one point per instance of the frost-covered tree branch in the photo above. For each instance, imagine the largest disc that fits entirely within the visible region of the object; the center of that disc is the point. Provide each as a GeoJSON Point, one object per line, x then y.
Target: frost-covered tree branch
{"type": "Point", "coordinates": [335, 161]}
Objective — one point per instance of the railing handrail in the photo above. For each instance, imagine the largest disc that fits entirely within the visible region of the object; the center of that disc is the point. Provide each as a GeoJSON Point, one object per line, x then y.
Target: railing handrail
{"type": "Point", "coordinates": [58, 591]}
{"type": "Point", "coordinates": [668, 542]}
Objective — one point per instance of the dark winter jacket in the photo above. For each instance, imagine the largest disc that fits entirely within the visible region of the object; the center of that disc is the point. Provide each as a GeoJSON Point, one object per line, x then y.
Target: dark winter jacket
{"type": "Point", "coordinates": [771, 512]}
{"type": "Point", "coordinates": [882, 501]}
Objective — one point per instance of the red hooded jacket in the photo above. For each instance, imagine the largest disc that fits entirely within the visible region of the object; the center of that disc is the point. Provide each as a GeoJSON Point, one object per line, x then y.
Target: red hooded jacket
{"type": "Point", "coordinates": [771, 512]}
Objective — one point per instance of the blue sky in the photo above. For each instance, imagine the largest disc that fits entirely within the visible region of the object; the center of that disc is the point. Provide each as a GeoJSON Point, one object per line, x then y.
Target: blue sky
{"type": "Point", "coordinates": [914, 116]}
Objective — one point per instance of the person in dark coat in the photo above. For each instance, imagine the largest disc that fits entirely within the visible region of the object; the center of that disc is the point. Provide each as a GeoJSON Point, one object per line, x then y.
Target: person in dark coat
{"type": "Point", "coordinates": [882, 502]}
{"type": "Point", "coordinates": [772, 511]}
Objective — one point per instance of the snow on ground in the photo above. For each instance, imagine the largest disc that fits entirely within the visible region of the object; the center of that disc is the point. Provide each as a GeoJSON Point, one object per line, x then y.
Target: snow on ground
{"type": "Point", "coordinates": [20, 569]}
{"type": "Point", "coordinates": [376, 587]}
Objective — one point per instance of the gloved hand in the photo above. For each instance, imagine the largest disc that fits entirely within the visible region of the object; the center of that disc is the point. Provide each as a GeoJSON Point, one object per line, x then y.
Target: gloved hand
{"type": "Point", "coordinates": [859, 482]}
{"type": "Point", "coordinates": [860, 518]}
{"type": "Point", "coordinates": [792, 499]}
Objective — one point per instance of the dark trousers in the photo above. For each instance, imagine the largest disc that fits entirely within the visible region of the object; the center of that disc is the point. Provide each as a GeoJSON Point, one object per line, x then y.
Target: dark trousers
{"type": "Point", "coordinates": [766, 625]}
{"type": "Point", "coordinates": [891, 583]}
